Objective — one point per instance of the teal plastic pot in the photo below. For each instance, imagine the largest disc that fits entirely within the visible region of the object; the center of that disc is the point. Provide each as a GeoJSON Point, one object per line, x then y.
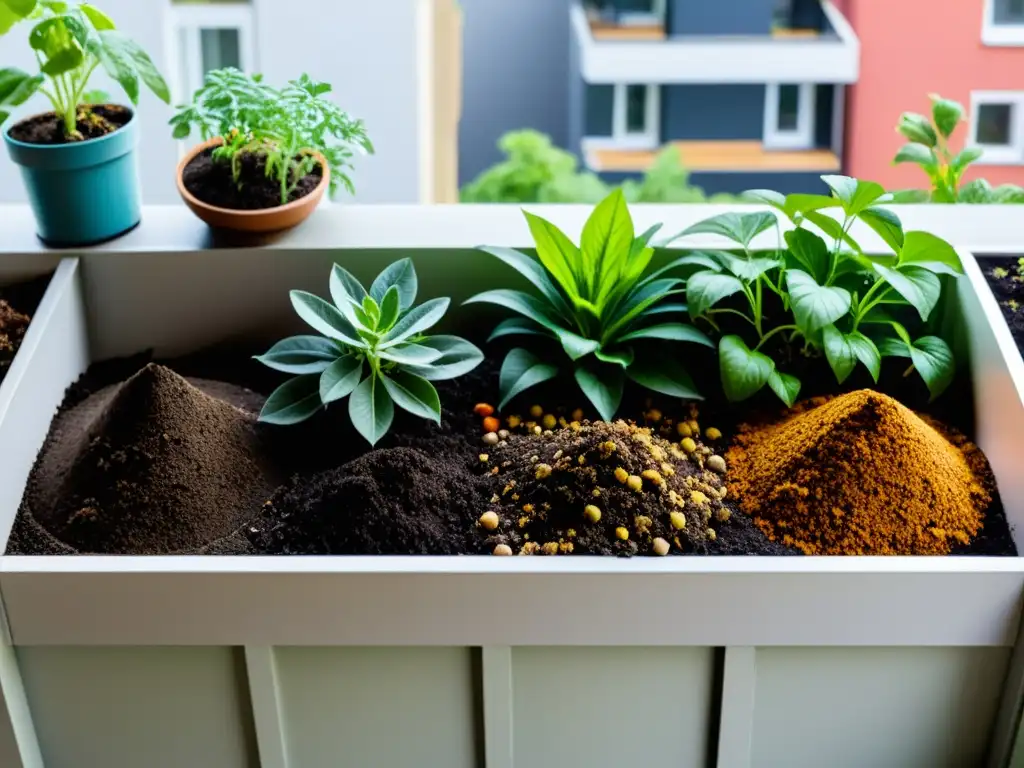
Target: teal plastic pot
{"type": "Point", "coordinates": [84, 192]}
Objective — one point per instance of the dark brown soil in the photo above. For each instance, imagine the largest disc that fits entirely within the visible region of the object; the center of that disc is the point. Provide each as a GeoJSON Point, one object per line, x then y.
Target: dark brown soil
{"type": "Point", "coordinates": [1006, 279]}
{"type": "Point", "coordinates": [93, 121]}
{"type": "Point", "coordinates": [154, 465]}
{"type": "Point", "coordinates": [17, 303]}
{"type": "Point", "coordinates": [212, 182]}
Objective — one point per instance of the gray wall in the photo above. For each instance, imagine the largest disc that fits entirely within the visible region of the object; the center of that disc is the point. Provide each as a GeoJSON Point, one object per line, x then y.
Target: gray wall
{"type": "Point", "coordinates": [515, 75]}
{"type": "Point", "coordinates": [720, 17]}
{"type": "Point", "coordinates": [712, 112]}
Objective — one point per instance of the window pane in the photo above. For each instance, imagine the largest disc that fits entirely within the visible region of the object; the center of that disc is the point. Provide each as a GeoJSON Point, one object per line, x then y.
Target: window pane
{"type": "Point", "coordinates": [636, 6]}
{"type": "Point", "coordinates": [994, 122]}
{"type": "Point", "coordinates": [1009, 12]}
{"type": "Point", "coordinates": [219, 49]}
{"type": "Point", "coordinates": [636, 108]}
{"type": "Point", "coordinates": [789, 107]}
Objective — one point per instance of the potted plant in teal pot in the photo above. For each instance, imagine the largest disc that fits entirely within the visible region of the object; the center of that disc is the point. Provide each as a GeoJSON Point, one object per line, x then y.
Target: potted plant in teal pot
{"type": "Point", "coordinates": [77, 160]}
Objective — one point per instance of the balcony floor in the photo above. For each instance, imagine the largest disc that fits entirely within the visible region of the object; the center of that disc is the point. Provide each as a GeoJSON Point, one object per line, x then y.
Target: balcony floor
{"type": "Point", "coordinates": [602, 31]}
{"type": "Point", "coordinates": [718, 156]}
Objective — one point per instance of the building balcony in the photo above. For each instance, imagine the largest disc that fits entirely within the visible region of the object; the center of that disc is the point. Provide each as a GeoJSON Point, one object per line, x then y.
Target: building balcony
{"type": "Point", "coordinates": [713, 157]}
{"type": "Point", "coordinates": [614, 52]}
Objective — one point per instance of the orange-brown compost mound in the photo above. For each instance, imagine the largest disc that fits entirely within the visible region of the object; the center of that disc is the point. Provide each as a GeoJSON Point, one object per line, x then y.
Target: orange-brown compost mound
{"type": "Point", "coordinates": [860, 474]}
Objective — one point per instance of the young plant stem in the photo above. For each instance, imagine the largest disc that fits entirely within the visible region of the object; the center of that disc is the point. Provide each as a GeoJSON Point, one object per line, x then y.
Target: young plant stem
{"type": "Point", "coordinates": [866, 304]}
{"type": "Point", "coordinates": [731, 312]}
{"type": "Point", "coordinates": [772, 332]}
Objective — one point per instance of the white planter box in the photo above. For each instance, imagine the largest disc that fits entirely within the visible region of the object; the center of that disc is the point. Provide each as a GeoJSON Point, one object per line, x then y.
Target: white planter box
{"type": "Point", "coordinates": [122, 662]}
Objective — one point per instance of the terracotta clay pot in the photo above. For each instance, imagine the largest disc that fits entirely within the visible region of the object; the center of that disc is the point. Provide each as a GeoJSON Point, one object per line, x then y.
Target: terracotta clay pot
{"type": "Point", "coordinates": [259, 220]}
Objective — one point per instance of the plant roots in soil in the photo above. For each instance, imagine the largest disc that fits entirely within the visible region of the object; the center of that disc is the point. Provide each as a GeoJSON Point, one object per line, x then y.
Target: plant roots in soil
{"type": "Point", "coordinates": [211, 181]}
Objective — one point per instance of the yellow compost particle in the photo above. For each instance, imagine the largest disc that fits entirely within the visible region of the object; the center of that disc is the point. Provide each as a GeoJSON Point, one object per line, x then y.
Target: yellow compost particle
{"type": "Point", "coordinates": [621, 475]}
{"type": "Point", "coordinates": [489, 520]}
{"type": "Point", "coordinates": [504, 550]}
{"type": "Point", "coordinates": [652, 476]}
{"type": "Point", "coordinates": [549, 421]}
{"type": "Point", "coordinates": [667, 469]}
{"type": "Point", "coordinates": [698, 498]}
{"type": "Point", "coordinates": [529, 548]}
{"type": "Point", "coordinates": [542, 471]}
{"type": "Point", "coordinates": [678, 520]}
{"type": "Point", "coordinates": [724, 514]}
{"type": "Point", "coordinates": [688, 445]}
{"type": "Point", "coordinates": [484, 458]}
{"type": "Point", "coordinates": [536, 411]}
{"type": "Point", "coordinates": [713, 433]}
{"type": "Point", "coordinates": [513, 421]}
{"type": "Point", "coordinates": [621, 533]}
{"type": "Point", "coordinates": [550, 548]}
{"type": "Point", "coordinates": [642, 523]}
{"type": "Point", "coordinates": [577, 415]}
{"type": "Point", "coordinates": [660, 547]}
{"type": "Point", "coordinates": [683, 429]}
{"type": "Point", "coordinates": [634, 483]}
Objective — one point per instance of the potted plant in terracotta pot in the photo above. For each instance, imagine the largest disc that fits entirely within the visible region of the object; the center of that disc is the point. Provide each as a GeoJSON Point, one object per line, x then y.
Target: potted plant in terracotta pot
{"type": "Point", "coordinates": [78, 160]}
{"type": "Point", "coordinates": [268, 155]}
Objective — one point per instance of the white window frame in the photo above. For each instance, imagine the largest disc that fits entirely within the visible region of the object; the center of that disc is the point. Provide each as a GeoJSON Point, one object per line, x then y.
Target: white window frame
{"type": "Point", "coordinates": [621, 138]}
{"type": "Point", "coordinates": [640, 19]}
{"type": "Point", "coordinates": [187, 20]}
{"type": "Point", "coordinates": [998, 154]}
{"type": "Point", "coordinates": [996, 34]}
{"type": "Point", "coordinates": [802, 137]}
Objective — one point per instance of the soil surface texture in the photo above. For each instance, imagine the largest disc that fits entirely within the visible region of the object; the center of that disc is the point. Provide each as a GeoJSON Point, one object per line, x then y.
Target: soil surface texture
{"type": "Point", "coordinates": [156, 464]}
{"type": "Point", "coordinates": [212, 182]}
{"type": "Point", "coordinates": [1005, 277]}
{"type": "Point", "coordinates": [93, 121]}
{"type": "Point", "coordinates": [17, 303]}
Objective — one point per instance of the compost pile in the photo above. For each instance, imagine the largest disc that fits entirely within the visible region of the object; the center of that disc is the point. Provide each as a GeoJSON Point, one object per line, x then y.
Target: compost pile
{"type": "Point", "coordinates": [155, 464]}
{"type": "Point", "coordinates": [602, 488]}
{"type": "Point", "coordinates": [860, 474]}
{"type": "Point", "coordinates": [13, 325]}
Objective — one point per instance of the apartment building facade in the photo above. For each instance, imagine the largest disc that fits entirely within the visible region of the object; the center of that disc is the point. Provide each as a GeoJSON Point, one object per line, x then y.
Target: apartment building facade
{"type": "Point", "coordinates": [752, 92]}
{"type": "Point", "coordinates": [970, 50]}
{"type": "Point", "coordinates": [396, 64]}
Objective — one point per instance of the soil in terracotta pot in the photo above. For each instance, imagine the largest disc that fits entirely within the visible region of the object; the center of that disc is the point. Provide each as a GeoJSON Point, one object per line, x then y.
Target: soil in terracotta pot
{"type": "Point", "coordinates": [1005, 277]}
{"type": "Point", "coordinates": [17, 302]}
{"type": "Point", "coordinates": [93, 121]}
{"type": "Point", "coordinates": [211, 181]}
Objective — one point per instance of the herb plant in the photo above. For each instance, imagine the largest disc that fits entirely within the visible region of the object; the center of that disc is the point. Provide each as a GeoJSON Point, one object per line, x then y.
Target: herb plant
{"type": "Point", "coordinates": [928, 147]}
{"type": "Point", "coordinates": [373, 349]}
{"type": "Point", "coordinates": [285, 125]}
{"type": "Point", "coordinates": [829, 298]}
{"type": "Point", "coordinates": [70, 41]}
{"type": "Point", "coordinates": [598, 306]}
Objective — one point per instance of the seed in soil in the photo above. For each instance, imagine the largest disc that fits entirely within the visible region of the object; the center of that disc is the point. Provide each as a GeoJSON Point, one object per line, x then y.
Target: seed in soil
{"type": "Point", "coordinates": [536, 411]}
{"type": "Point", "coordinates": [491, 438]}
{"type": "Point", "coordinates": [688, 444]}
{"type": "Point", "coordinates": [503, 550]}
{"type": "Point", "coordinates": [716, 464]}
{"type": "Point", "coordinates": [491, 425]}
{"type": "Point", "coordinates": [592, 513]}
{"type": "Point", "coordinates": [660, 546]}
{"type": "Point", "coordinates": [713, 433]}
{"type": "Point", "coordinates": [490, 521]}
{"type": "Point", "coordinates": [483, 409]}
{"type": "Point", "coordinates": [634, 483]}
{"type": "Point", "coordinates": [622, 533]}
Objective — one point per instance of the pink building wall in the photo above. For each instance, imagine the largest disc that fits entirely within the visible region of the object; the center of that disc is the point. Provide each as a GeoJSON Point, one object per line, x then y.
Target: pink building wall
{"type": "Point", "coordinates": [910, 48]}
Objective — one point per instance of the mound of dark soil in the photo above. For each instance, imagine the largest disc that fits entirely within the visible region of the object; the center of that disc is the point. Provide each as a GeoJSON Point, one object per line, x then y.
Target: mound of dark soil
{"type": "Point", "coordinates": [13, 325]}
{"type": "Point", "coordinates": [213, 182]}
{"type": "Point", "coordinates": [92, 122]}
{"type": "Point", "coordinates": [156, 464]}
{"type": "Point", "coordinates": [609, 488]}
{"type": "Point", "coordinates": [396, 501]}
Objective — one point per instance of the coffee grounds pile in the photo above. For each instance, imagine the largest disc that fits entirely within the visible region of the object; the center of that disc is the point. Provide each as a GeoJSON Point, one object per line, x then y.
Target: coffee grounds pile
{"type": "Point", "coordinates": [156, 464]}
{"type": "Point", "coordinates": [860, 474]}
{"type": "Point", "coordinates": [602, 488]}
{"type": "Point", "coordinates": [13, 325]}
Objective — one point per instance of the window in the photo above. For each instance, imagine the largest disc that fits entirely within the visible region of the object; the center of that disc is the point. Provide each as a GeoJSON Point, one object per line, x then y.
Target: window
{"type": "Point", "coordinates": [636, 108]}
{"type": "Point", "coordinates": [635, 114]}
{"type": "Point", "coordinates": [997, 126]}
{"type": "Point", "coordinates": [1003, 23]}
{"type": "Point", "coordinates": [789, 116]}
{"type": "Point", "coordinates": [209, 34]}
{"type": "Point", "coordinates": [640, 12]}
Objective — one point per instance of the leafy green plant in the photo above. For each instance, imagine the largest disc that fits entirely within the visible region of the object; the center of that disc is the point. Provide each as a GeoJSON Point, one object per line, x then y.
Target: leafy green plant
{"type": "Point", "coordinates": [595, 305]}
{"type": "Point", "coordinates": [284, 125]}
{"type": "Point", "coordinates": [831, 298]}
{"type": "Point", "coordinates": [928, 147]}
{"type": "Point", "coordinates": [373, 349]}
{"type": "Point", "coordinates": [70, 41]}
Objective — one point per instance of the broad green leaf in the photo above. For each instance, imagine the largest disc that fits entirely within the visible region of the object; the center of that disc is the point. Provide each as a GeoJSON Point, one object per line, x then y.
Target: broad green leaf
{"type": "Point", "coordinates": [410, 354]}
{"type": "Point", "coordinates": [947, 114]}
{"type": "Point", "coordinates": [866, 351]}
{"type": "Point", "coordinates": [901, 332]}
{"type": "Point", "coordinates": [340, 378]}
{"type": "Point", "coordinates": [924, 249]}
{"type": "Point", "coordinates": [893, 348]}
{"type": "Point", "coordinates": [458, 357]}
{"type": "Point", "coordinates": [345, 289]}
{"type": "Point", "coordinates": [622, 357]}
{"type": "Point", "coordinates": [637, 302]}
{"type": "Point", "coordinates": [785, 387]}
{"type": "Point", "coordinates": [521, 370]}
{"type": "Point", "coordinates": [907, 196]}
{"type": "Point", "coordinates": [602, 384]}
{"type": "Point", "coordinates": [400, 274]}
{"type": "Point", "coordinates": [372, 311]}
{"type": "Point", "coordinates": [887, 224]}
{"type": "Point", "coordinates": [143, 65]}
{"type": "Point", "coordinates": [748, 269]}
{"type": "Point", "coordinates": [803, 203]}
{"type": "Point", "coordinates": [389, 309]}
{"type": "Point", "coordinates": [669, 332]}
{"type": "Point", "coordinates": [324, 318]}
{"type": "Point", "coordinates": [743, 370]}
{"type": "Point", "coordinates": [294, 401]}
{"type": "Point", "coordinates": [413, 394]}
{"type": "Point", "coordinates": [705, 289]}
{"type": "Point", "coordinates": [416, 320]}
{"type": "Point", "coordinates": [576, 346]}
{"type": "Point", "coordinates": [526, 305]}
{"type": "Point", "coordinates": [517, 326]}
{"type": "Point", "coordinates": [96, 17]}
{"type": "Point", "coordinates": [371, 409]}
{"type": "Point", "coordinates": [917, 128]}
{"type": "Point", "coordinates": [918, 154]}
{"type": "Point", "coordinates": [815, 306]}
{"type": "Point", "coordinates": [839, 352]}
{"type": "Point", "coordinates": [666, 376]}
{"type": "Point", "coordinates": [560, 257]}
{"type": "Point", "coordinates": [117, 63]}
{"type": "Point", "coordinates": [741, 228]}
{"type": "Point", "coordinates": [934, 362]}
{"type": "Point", "coordinates": [767, 197]}
{"type": "Point", "coordinates": [54, 39]}
{"type": "Point", "coordinates": [533, 271]}
{"type": "Point", "coordinates": [810, 251]}
{"type": "Point", "coordinates": [965, 157]}
{"type": "Point", "coordinates": [855, 195]}
{"type": "Point", "coordinates": [831, 228]}
{"type": "Point", "coordinates": [704, 259]}
{"type": "Point", "coordinates": [668, 308]}
{"type": "Point", "coordinates": [917, 285]}
{"type": "Point", "coordinates": [17, 86]}
{"type": "Point", "coordinates": [300, 354]}
{"type": "Point", "coordinates": [978, 191]}
{"type": "Point", "coordinates": [606, 245]}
